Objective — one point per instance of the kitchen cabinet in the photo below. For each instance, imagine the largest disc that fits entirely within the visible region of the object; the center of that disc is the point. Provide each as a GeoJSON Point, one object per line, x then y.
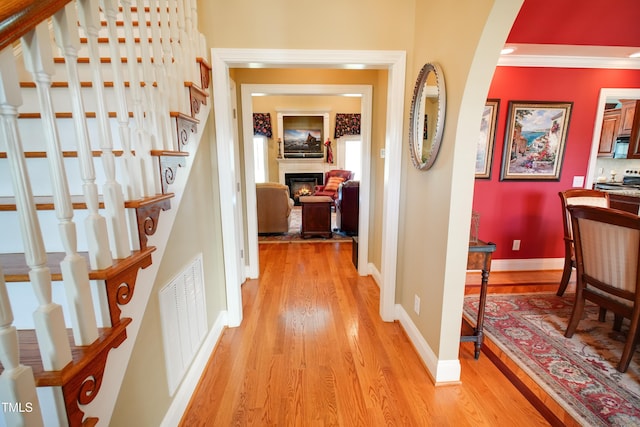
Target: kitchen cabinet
{"type": "Point", "coordinates": [624, 203]}
{"type": "Point", "coordinates": [627, 113]}
{"type": "Point", "coordinates": [634, 140]}
{"type": "Point", "coordinates": [610, 125]}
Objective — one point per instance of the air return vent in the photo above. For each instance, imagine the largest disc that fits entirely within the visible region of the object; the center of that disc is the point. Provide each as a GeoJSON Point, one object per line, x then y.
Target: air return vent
{"type": "Point", "coordinates": [184, 320]}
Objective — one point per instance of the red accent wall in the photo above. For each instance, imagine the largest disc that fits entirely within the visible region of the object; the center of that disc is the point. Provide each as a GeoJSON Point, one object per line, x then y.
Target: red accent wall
{"type": "Point", "coordinates": [584, 22]}
{"type": "Point", "coordinates": [530, 211]}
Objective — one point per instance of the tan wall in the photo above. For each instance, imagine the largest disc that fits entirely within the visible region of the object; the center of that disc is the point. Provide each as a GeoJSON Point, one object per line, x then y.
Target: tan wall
{"type": "Point", "coordinates": [332, 104]}
{"type": "Point", "coordinates": [442, 216]}
{"type": "Point", "coordinates": [144, 396]}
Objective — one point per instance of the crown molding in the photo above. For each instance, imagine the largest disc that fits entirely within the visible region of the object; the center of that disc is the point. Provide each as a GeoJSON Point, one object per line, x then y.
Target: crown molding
{"type": "Point", "coordinates": [554, 61]}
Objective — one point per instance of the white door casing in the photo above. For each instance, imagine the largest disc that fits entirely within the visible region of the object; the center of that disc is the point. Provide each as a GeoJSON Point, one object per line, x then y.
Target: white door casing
{"type": "Point", "coordinates": [395, 63]}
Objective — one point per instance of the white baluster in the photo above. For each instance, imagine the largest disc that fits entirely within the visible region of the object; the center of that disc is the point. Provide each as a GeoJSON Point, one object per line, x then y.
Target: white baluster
{"type": "Point", "coordinates": [65, 23]}
{"type": "Point", "coordinates": [188, 58]}
{"type": "Point", "coordinates": [161, 77]}
{"type": "Point", "coordinates": [194, 69]}
{"type": "Point", "coordinates": [142, 139]}
{"type": "Point", "coordinates": [75, 274]}
{"type": "Point", "coordinates": [89, 17]}
{"type": "Point", "coordinates": [148, 77]}
{"type": "Point", "coordinates": [17, 385]}
{"type": "Point", "coordinates": [110, 11]}
{"type": "Point", "coordinates": [178, 54]}
{"type": "Point", "coordinates": [48, 318]}
{"type": "Point", "coordinates": [175, 92]}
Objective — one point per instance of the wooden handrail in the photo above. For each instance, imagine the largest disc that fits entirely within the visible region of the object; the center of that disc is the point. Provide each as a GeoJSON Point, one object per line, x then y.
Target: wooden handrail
{"type": "Point", "coordinates": [18, 17]}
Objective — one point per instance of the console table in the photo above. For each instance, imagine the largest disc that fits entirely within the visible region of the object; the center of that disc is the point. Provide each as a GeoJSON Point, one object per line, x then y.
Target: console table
{"type": "Point", "coordinates": [479, 259]}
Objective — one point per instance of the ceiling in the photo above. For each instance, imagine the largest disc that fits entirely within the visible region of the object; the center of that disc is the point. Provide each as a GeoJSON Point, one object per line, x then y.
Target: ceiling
{"type": "Point", "coordinates": [595, 34]}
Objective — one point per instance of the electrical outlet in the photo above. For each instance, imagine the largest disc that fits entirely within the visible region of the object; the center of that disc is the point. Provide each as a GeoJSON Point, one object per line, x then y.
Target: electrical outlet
{"type": "Point", "coordinates": [382, 153]}
{"type": "Point", "coordinates": [516, 245]}
{"type": "Point", "coordinates": [416, 304]}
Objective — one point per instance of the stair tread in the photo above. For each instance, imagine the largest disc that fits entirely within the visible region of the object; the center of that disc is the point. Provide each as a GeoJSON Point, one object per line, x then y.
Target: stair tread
{"type": "Point", "coordinates": [94, 153]}
{"type": "Point", "coordinates": [82, 356]}
{"type": "Point", "coordinates": [16, 269]}
{"type": "Point", "coordinates": [43, 203]}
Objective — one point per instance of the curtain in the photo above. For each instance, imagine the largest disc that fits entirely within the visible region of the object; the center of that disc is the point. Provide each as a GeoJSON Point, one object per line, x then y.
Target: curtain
{"type": "Point", "coordinates": [262, 124]}
{"type": "Point", "coordinates": [347, 124]}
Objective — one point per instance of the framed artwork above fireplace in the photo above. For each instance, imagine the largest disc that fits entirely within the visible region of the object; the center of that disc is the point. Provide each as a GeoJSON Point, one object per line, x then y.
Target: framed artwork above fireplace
{"type": "Point", "coordinates": [303, 134]}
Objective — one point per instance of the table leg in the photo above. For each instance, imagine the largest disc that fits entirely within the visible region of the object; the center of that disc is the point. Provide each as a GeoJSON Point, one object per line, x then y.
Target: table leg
{"type": "Point", "coordinates": [478, 332]}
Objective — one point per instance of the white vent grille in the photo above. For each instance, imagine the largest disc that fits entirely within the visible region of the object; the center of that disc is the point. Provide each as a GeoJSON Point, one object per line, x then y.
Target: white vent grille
{"type": "Point", "coordinates": [184, 320]}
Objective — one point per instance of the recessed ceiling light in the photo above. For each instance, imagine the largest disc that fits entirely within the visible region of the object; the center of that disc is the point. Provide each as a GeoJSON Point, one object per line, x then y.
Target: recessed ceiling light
{"type": "Point", "coordinates": [507, 50]}
{"type": "Point", "coordinates": [635, 55]}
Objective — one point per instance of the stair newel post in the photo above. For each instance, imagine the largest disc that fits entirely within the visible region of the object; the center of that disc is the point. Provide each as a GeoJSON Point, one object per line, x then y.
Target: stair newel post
{"type": "Point", "coordinates": [65, 23]}
{"type": "Point", "coordinates": [17, 384]}
{"type": "Point", "coordinates": [175, 102]}
{"type": "Point", "coordinates": [110, 11]}
{"type": "Point", "coordinates": [48, 318]}
{"type": "Point", "coordinates": [89, 17]}
{"type": "Point", "coordinates": [161, 77]}
{"type": "Point", "coordinates": [142, 139]}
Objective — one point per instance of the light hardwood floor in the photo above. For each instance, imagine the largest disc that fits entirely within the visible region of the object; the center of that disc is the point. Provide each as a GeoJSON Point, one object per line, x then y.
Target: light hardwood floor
{"type": "Point", "coordinates": [312, 351]}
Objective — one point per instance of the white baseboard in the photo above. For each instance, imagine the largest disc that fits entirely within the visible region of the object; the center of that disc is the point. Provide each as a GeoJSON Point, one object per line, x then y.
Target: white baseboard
{"type": "Point", "coordinates": [189, 383]}
{"type": "Point", "coordinates": [527, 264]}
{"type": "Point", "coordinates": [377, 277]}
{"type": "Point", "coordinates": [442, 371]}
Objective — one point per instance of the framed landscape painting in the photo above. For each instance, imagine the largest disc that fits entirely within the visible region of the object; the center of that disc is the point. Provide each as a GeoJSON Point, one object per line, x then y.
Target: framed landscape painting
{"type": "Point", "coordinates": [486, 138]}
{"type": "Point", "coordinates": [534, 140]}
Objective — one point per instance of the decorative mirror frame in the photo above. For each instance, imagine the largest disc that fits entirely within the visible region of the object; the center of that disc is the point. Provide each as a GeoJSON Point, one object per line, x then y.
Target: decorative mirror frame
{"type": "Point", "coordinates": [416, 125]}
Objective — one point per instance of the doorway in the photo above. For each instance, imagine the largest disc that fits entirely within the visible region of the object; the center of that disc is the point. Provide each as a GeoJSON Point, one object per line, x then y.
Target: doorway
{"type": "Point", "coordinates": [394, 62]}
{"type": "Point", "coordinates": [365, 94]}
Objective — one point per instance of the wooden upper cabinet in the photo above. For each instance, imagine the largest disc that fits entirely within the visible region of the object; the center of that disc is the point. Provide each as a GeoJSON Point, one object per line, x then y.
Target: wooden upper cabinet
{"type": "Point", "coordinates": [634, 140]}
{"type": "Point", "coordinates": [610, 125]}
{"type": "Point", "coordinates": [627, 113]}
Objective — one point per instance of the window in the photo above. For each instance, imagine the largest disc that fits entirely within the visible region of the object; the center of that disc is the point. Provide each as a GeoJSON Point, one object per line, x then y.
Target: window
{"type": "Point", "coordinates": [350, 149]}
{"type": "Point", "coordinates": [260, 158]}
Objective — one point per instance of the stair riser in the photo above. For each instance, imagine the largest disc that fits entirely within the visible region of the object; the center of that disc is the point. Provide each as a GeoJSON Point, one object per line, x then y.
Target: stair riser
{"type": "Point", "coordinates": [61, 97]}
{"type": "Point", "coordinates": [40, 179]}
{"type": "Point", "coordinates": [32, 134]}
{"type": "Point", "coordinates": [21, 295]}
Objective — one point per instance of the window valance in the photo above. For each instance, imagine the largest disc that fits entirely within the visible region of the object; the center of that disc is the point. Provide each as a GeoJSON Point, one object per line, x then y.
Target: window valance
{"type": "Point", "coordinates": [347, 124]}
{"type": "Point", "coordinates": [262, 124]}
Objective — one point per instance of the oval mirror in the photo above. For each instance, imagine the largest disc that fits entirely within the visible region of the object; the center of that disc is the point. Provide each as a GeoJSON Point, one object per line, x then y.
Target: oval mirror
{"type": "Point", "coordinates": [426, 120]}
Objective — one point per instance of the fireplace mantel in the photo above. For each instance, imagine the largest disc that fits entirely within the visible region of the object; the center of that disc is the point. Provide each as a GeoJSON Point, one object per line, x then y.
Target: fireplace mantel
{"type": "Point", "coordinates": [302, 166]}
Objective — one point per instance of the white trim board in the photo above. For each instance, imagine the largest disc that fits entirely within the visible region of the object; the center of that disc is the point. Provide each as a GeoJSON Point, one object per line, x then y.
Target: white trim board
{"type": "Point", "coordinates": [222, 59]}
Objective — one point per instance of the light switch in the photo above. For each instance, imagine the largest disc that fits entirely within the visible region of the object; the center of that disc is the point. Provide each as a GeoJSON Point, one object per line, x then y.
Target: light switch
{"type": "Point", "coordinates": [578, 181]}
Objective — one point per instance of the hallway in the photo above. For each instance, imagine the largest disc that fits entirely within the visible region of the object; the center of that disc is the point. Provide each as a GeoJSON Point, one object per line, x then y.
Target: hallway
{"type": "Point", "coordinates": [312, 350]}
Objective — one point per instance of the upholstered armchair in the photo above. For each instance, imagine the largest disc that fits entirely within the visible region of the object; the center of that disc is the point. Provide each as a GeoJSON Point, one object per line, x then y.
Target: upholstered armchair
{"type": "Point", "coordinates": [274, 206]}
{"type": "Point", "coordinates": [348, 207]}
{"type": "Point", "coordinates": [332, 179]}
{"type": "Point", "coordinates": [606, 245]}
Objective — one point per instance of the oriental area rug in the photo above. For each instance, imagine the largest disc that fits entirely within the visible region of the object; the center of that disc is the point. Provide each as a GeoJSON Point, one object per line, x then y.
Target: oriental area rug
{"type": "Point", "coordinates": [578, 373]}
{"type": "Point", "coordinates": [293, 236]}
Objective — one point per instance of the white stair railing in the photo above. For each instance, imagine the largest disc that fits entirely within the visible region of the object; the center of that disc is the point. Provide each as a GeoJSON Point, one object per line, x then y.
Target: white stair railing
{"type": "Point", "coordinates": [142, 139]}
{"type": "Point", "coordinates": [89, 18]}
{"type": "Point", "coordinates": [17, 385]}
{"type": "Point", "coordinates": [65, 24]}
{"type": "Point", "coordinates": [133, 176]}
{"type": "Point", "coordinates": [48, 318]}
{"type": "Point", "coordinates": [162, 79]}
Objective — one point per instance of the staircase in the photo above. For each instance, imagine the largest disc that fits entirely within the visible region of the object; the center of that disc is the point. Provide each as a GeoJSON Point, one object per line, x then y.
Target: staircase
{"type": "Point", "coordinates": [101, 102]}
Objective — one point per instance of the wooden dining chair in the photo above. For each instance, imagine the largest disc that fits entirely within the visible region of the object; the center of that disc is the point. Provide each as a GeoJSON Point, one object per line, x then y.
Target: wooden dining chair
{"type": "Point", "coordinates": [607, 249]}
{"type": "Point", "coordinates": [575, 196]}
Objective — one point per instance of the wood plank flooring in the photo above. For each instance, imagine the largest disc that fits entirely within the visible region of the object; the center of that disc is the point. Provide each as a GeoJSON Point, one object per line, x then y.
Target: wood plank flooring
{"type": "Point", "coordinates": [312, 351]}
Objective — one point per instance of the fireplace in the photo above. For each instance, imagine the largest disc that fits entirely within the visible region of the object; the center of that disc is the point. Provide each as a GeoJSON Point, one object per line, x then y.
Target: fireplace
{"type": "Point", "coordinates": [302, 184]}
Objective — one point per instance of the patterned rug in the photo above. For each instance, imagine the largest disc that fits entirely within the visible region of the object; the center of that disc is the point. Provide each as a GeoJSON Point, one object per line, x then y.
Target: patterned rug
{"type": "Point", "coordinates": [578, 373]}
{"type": "Point", "coordinates": [293, 236]}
